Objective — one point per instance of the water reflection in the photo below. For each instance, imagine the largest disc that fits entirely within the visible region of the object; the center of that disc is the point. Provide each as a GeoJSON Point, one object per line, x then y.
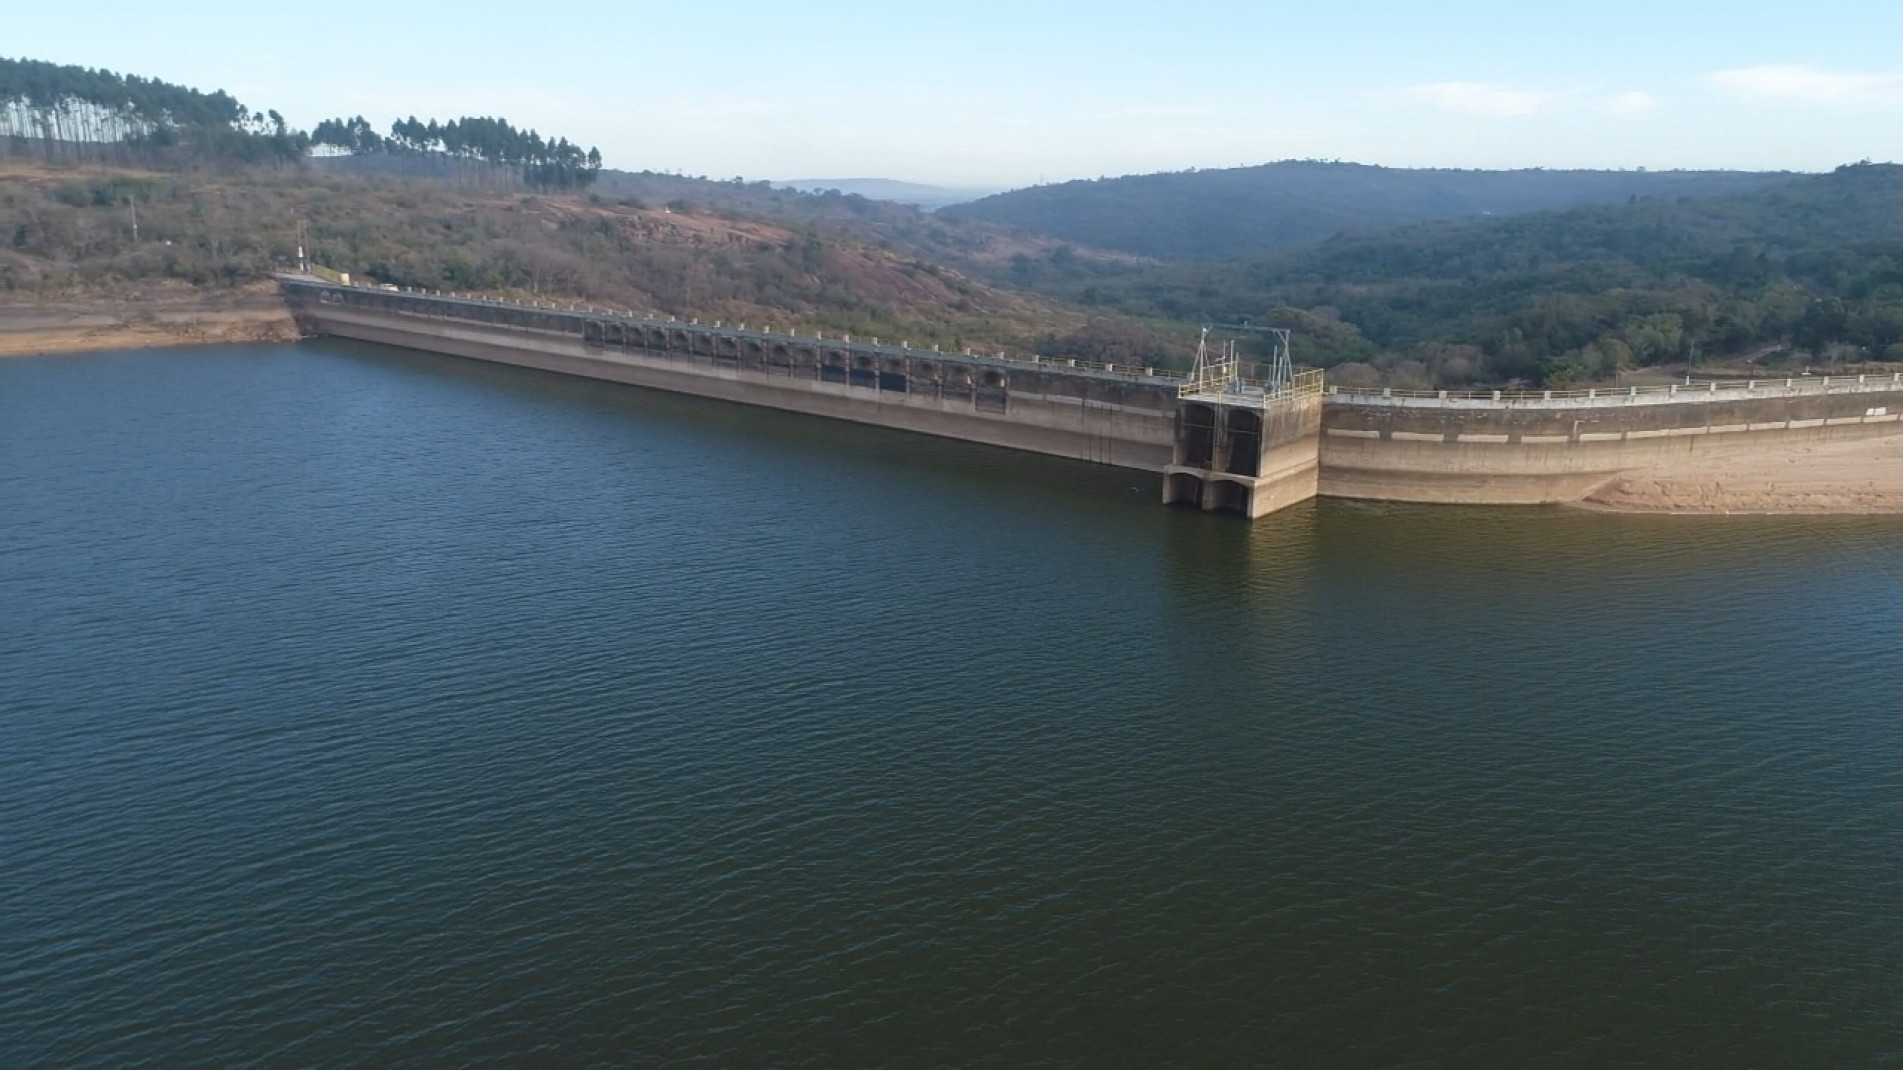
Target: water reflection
{"type": "Point", "coordinates": [374, 707]}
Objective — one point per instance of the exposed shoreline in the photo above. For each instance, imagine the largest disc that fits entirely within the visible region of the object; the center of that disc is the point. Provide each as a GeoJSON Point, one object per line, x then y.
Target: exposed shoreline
{"type": "Point", "coordinates": [144, 317]}
{"type": "Point", "coordinates": [1856, 477]}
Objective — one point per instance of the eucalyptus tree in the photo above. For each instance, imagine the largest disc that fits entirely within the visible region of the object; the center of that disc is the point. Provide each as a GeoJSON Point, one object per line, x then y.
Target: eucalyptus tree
{"type": "Point", "coordinates": [69, 112]}
{"type": "Point", "coordinates": [490, 150]}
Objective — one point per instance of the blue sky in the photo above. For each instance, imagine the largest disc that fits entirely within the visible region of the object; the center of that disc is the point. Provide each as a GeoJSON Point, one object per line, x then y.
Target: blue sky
{"type": "Point", "coordinates": [990, 93]}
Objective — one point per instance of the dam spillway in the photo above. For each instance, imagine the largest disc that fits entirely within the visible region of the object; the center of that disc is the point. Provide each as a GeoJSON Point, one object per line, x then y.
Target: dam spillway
{"type": "Point", "coordinates": [1250, 451]}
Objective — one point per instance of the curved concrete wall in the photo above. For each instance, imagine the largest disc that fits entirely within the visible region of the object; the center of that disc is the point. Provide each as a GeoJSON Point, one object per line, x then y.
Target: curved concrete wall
{"type": "Point", "coordinates": [1477, 449]}
{"type": "Point", "coordinates": [1529, 450]}
{"type": "Point", "coordinates": [1116, 419]}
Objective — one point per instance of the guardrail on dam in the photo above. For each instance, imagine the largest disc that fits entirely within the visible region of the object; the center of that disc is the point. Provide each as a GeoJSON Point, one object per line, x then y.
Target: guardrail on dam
{"type": "Point", "coordinates": [1098, 413]}
{"type": "Point", "coordinates": [1493, 447]}
{"type": "Point", "coordinates": [1223, 445]}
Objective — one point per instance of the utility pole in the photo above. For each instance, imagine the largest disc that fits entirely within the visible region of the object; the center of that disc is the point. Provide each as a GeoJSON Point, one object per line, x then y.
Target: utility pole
{"type": "Point", "coordinates": [133, 207]}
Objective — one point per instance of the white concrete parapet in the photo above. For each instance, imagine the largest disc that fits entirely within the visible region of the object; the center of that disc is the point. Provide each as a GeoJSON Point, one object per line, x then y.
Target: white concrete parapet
{"type": "Point", "coordinates": [1618, 397]}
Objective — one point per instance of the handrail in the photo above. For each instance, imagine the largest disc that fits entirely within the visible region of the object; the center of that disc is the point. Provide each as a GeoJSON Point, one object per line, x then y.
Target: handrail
{"type": "Point", "coordinates": [1251, 391]}
{"type": "Point", "coordinates": [1706, 391]}
{"type": "Point", "coordinates": [1138, 373]}
{"type": "Point", "coordinates": [1219, 389]}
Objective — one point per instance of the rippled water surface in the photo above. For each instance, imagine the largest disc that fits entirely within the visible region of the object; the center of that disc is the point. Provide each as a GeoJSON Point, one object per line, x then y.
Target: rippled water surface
{"type": "Point", "coordinates": [365, 707]}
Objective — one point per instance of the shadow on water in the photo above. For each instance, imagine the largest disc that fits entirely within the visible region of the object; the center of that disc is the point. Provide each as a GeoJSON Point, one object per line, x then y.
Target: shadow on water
{"type": "Point", "coordinates": [1464, 541]}
{"type": "Point", "coordinates": [1495, 544]}
{"type": "Point", "coordinates": [727, 430]}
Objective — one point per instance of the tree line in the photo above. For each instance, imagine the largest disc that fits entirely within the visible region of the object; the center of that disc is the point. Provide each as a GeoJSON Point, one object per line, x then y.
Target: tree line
{"type": "Point", "coordinates": [490, 148]}
{"type": "Point", "coordinates": [65, 112]}
{"type": "Point", "coordinates": [59, 112]}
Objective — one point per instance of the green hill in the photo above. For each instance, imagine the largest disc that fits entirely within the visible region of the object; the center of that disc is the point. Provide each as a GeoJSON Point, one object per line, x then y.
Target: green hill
{"type": "Point", "coordinates": [1244, 211]}
{"type": "Point", "coordinates": [1812, 264]}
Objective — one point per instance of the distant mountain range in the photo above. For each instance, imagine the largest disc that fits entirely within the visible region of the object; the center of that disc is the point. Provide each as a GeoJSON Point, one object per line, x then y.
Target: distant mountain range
{"type": "Point", "coordinates": [886, 189]}
{"type": "Point", "coordinates": [1244, 211]}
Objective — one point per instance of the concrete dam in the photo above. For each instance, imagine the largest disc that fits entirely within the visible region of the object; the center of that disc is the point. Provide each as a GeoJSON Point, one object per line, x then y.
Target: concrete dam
{"type": "Point", "coordinates": [1217, 441]}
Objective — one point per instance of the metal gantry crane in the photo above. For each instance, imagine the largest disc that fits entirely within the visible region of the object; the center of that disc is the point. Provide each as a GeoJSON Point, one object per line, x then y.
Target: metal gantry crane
{"type": "Point", "coordinates": [1219, 374]}
{"type": "Point", "coordinates": [1281, 367]}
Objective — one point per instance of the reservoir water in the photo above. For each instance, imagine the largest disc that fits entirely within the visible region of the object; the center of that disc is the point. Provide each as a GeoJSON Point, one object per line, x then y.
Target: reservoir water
{"type": "Point", "coordinates": [368, 707]}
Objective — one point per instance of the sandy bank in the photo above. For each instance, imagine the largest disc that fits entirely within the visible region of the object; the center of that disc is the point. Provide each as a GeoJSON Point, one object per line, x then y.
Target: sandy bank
{"type": "Point", "coordinates": [1861, 476]}
{"type": "Point", "coordinates": [143, 316]}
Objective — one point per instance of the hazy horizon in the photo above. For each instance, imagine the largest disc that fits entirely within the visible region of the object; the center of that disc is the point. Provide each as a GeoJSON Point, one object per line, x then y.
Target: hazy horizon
{"type": "Point", "coordinates": [985, 191]}
{"type": "Point", "coordinates": [993, 96]}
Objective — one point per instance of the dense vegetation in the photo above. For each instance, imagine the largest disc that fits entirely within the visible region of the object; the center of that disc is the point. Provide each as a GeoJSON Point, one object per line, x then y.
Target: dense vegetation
{"type": "Point", "coordinates": [1245, 211]}
{"type": "Point", "coordinates": [1810, 269]}
{"type": "Point", "coordinates": [489, 148]}
{"type": "Point", "coordinates": [53, 112]}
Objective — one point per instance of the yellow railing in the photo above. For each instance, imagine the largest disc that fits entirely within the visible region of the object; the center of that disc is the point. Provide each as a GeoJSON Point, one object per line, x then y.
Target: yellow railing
{"type": "Point", "coordinates": [341, 278]}
{"type": "Point", "coordinates": [1218, 387]}
{"type": "Point", "coordinates": [1306, 384]}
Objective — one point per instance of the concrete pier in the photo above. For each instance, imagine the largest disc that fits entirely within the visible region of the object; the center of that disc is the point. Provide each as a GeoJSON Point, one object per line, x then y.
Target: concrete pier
{"type": "Point", "coordinates": [1246, 452]}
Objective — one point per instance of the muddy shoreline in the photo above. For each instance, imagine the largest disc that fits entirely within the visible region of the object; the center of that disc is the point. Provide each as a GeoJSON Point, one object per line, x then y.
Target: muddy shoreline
{"type": "Point", "coordinates": [1861, 476]}
{"type": "Point", "coordinates": [141, 317]}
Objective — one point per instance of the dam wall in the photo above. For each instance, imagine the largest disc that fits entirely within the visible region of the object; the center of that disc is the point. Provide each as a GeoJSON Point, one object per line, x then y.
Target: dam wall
{"type": "Point", "coordinates": [1228, 446]}
{"type": "Point", "coordinates": [1106, 415]}
{"type": "Point", "coordinates": [1494, 448]}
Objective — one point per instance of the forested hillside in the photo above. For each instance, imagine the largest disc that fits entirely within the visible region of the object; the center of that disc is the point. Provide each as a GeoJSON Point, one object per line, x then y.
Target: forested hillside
{"type": "Point", "coordinates": [1814, 263]}
{"type": "Point", "coordinates": [71, 233]}
{"type": "Point", "coordinates": [1244, 211]}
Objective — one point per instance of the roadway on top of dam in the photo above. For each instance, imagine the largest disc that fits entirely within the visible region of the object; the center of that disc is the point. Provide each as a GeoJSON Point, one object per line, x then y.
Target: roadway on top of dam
{"type": "Point", "coordinates": [420, 301]}
{"type": "Point", "coordinates": [576, 319]}
{"type": "Point", "coordinates": [1688, 393]}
